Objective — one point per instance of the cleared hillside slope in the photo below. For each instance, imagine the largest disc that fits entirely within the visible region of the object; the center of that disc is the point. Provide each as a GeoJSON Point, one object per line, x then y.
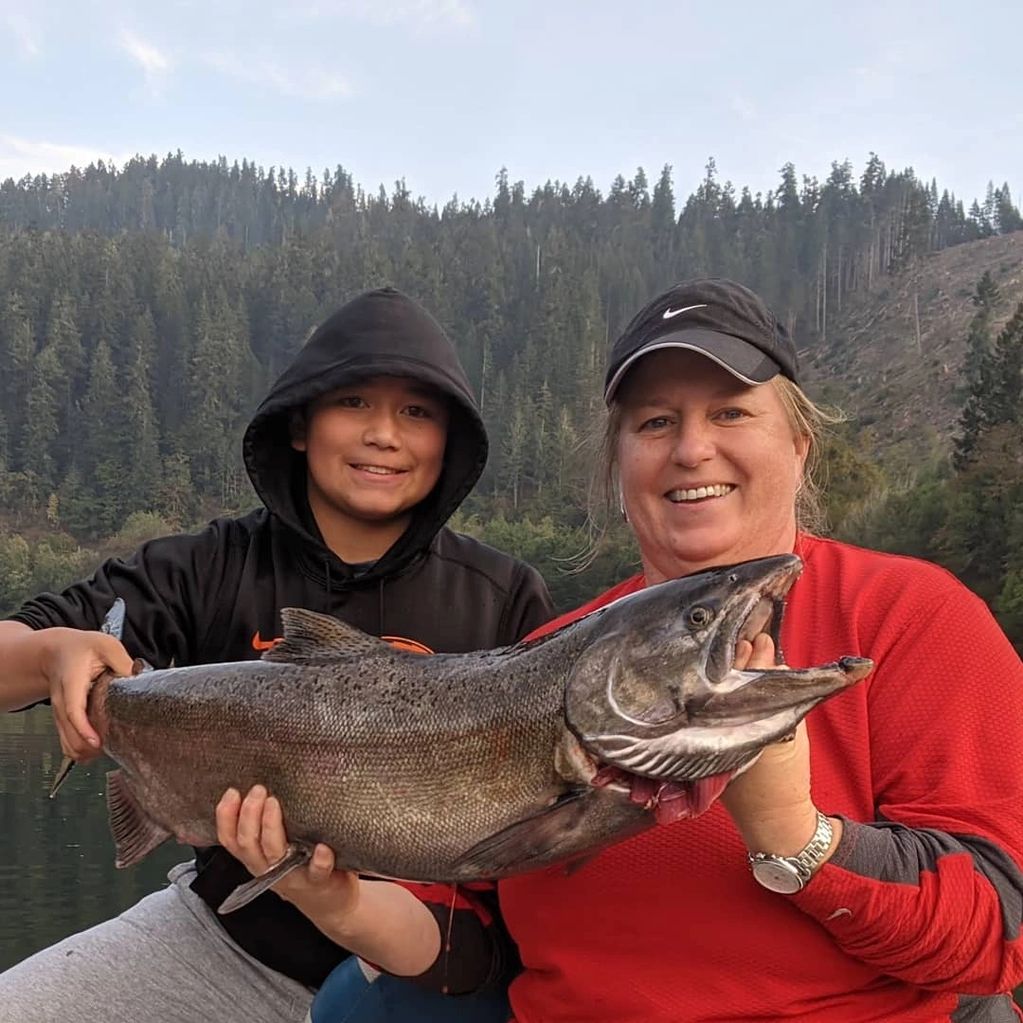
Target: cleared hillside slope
{"type": "Point", "coordinates": [893, 356]}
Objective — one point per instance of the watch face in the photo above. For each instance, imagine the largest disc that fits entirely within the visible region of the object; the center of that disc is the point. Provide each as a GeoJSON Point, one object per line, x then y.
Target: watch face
{"type": "Point", "coordinates": [777, 876]}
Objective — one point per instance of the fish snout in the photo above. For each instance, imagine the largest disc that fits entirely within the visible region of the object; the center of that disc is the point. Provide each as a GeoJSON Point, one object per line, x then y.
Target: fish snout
{"type": "Point", "coordinates": [855, 668]}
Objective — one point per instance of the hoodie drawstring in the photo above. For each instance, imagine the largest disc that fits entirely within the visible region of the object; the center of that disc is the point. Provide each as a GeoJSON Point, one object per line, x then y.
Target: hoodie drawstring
{"type": "Point", "coordinates": [330, 592]}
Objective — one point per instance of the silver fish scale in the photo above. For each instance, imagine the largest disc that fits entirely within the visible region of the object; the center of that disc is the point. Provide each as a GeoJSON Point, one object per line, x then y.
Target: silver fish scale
{"type": "Point", "coordinates": [449, 750]}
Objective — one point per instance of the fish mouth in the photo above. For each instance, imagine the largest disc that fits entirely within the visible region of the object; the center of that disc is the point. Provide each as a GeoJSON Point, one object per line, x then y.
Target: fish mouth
{"type": "Point", "coordinates": [747, 615]}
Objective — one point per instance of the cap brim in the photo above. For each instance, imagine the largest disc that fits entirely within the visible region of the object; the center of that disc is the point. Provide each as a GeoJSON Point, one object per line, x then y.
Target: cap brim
{"type": "Point", "coordinates": [743, 360]}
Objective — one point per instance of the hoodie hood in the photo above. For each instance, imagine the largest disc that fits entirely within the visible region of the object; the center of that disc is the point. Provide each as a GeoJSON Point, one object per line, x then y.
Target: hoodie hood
{"type": "Point", "coordinates": [378, 333]}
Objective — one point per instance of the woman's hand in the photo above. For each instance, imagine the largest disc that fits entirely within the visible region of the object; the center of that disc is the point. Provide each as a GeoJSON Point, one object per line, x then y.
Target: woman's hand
{"type": "Point", "coordinates": [71, 660]}
{"type": "Point", "coordinates": [252, 830]}
{"type": "Point", "coordinates": [770, 802]}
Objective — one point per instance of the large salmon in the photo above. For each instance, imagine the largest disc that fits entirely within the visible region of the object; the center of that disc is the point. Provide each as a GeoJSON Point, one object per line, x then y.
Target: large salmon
{"type": "Point", "coordinates": [460, 767]}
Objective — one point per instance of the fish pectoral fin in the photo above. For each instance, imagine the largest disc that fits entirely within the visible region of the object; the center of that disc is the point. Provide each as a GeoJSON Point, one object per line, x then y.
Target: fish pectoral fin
{"type": "Point", "coordinates": [578, 862]}
{"type": "Point", "coordinates": [528, 839]}
{"type": "Point", "coordinates": [65, 769]}
{"type": "Point", "coordinates": [135, 833]}
{"type": "Point", "coordinates": [298, 855]}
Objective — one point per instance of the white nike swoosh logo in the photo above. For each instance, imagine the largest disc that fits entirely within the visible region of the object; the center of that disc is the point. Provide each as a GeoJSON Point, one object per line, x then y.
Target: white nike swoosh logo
{"type": "Point", "coordinates": [669, 313]}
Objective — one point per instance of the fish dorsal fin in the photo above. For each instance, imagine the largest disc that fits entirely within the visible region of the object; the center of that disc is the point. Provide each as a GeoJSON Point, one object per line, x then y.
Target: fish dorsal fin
{"type": "Point", "coordinates": [314, 638]}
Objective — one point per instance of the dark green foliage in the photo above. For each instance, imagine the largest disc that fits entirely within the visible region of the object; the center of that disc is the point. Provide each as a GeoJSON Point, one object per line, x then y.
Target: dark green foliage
{"type": "Point", "coordinates": [978, 371]}
{"type": "Point", "coordinates": [144, 311]}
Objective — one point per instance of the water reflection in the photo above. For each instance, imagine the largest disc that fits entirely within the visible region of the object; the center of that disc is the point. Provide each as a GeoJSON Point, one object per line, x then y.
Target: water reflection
{"type": "Point", "coordinates": [57, 871]}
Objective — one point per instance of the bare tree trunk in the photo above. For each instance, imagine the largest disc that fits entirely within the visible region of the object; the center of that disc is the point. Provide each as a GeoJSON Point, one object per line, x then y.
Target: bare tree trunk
{"type": "Point", "coordinates": [817, 297]}
{"type": "Point", "coordinates": [483, 376]}
{"type": "Point", "coordinates": [824, 298]}
{"type": "Point", "coordinates": [838, 280]}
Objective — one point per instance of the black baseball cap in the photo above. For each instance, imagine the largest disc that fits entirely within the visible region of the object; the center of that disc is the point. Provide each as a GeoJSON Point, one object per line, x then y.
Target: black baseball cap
{"type": "Point", "coordinates": [716, 317]}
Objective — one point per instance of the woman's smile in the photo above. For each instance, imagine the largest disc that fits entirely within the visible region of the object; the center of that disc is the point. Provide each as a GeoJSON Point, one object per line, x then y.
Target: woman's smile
{"type": "Point", "coordinates": [700, 493]}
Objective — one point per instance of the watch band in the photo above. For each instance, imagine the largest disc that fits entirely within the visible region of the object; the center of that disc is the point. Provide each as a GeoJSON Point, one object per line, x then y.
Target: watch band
{"type": "Point", "coordinates": [789, 874]}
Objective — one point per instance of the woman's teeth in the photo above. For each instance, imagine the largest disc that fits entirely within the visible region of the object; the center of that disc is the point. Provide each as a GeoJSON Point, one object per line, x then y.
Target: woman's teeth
{"type": "Point", "coordinates": [698, 493]}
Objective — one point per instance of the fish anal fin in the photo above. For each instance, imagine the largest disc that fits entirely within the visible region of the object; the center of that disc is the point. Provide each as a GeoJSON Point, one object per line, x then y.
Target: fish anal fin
{"type": "Point", "coordinates": [314, 638]}
{"type": "Point", "coordinates": [135, 833]}
{"type": "Point", "coordinates": [297, 855]}
{"type": "Point", "coordinates": [534, 837]}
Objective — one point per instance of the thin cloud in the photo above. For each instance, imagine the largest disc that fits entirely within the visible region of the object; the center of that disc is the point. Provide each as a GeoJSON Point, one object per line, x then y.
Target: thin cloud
{"type": "Point", "coordinates": [307, 83]}
{"type": "Point", "coordinates": [432, 14]}
{"type": "Point", "coordinates": [743, 108]}
{"type": "Point", "coordinates": [25, 34]}
{"type": "Point", "coordinates": [893, 67]}
{"type": "Point", "coordinates": [19, 157]}
{"type": "Point", "coordinates": [152, 61]}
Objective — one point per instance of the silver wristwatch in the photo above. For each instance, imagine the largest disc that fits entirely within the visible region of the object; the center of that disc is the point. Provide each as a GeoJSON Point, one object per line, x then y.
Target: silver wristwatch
{"type": "Point", "coordinates": [789, 874]}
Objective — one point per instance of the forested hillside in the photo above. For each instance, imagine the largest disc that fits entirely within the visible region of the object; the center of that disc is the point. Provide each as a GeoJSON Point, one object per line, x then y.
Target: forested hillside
{"type": "Point", "coordinates": [144, 310]}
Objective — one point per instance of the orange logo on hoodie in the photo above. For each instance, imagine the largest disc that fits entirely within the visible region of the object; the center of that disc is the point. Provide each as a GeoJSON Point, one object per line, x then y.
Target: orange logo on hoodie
{"type": "Point", "coordinates": [411, 646]}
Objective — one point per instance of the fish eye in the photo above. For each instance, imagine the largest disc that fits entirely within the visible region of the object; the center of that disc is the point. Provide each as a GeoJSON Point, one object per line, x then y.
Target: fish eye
{"type": "Point", "coordinates": [700, 616]}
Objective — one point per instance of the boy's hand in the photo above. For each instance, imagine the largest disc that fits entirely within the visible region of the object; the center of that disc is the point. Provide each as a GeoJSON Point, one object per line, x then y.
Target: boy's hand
{"type": "Point", "coordinates": [71, 661]}
{"type": "Point", "coordinates": [252, 830]}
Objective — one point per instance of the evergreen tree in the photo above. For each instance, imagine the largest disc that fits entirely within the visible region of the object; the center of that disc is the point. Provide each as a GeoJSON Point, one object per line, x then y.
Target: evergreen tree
{"type": "Point", "coordinates": [39, 428]}
{"type": "Point", "coordinates": [103, 447]}
{"type": "Point", "coordinates": [17, 355]}
{"type": "Point", "coordinates": [1005, 401]}
{"type": "Point", "coordinates": [142, 450]}
{"type": "Point", "coordinates": [978, 371]}
{"type": "Point", "coordinates": [1006, 217]}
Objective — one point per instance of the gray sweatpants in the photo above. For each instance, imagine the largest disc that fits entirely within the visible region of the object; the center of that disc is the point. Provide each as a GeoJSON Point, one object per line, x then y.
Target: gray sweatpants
{"type": "Point", "coordinates": [165, 960]}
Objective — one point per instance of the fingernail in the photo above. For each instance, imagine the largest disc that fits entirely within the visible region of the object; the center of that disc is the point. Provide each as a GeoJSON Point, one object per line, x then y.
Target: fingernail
{"type": "Point", "coordinates": [93, 741]}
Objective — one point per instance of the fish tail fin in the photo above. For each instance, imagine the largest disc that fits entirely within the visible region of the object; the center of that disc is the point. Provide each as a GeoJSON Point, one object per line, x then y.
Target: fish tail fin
{"type": "Point", "coordinates": [135, 833]}
{"type": "Point", "coordinates": [298, 855]}
{"type": "Point", "coordinates": [61, 776]}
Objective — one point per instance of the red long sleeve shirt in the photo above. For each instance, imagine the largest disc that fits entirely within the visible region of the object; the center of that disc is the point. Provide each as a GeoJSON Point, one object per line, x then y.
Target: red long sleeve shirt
{"type": "Point", "coordinates": [916, 917]}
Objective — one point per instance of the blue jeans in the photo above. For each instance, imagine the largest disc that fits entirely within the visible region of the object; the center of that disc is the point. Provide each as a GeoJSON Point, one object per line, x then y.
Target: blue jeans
{"type": "Point", "coordinates": [348, 997]}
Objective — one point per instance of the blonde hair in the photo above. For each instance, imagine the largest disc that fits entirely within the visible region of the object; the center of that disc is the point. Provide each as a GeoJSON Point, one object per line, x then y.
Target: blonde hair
{"type": "Point", "coordinates": [806, 418]}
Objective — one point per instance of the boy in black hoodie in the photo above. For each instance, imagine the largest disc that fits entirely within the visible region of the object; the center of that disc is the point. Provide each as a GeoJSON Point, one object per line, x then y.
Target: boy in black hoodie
{"type": "Point", "coordinates": [362, 450]}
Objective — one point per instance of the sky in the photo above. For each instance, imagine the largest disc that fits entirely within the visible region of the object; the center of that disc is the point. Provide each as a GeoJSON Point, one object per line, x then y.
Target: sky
{"type": "Point", "coordinates": [444, 93]}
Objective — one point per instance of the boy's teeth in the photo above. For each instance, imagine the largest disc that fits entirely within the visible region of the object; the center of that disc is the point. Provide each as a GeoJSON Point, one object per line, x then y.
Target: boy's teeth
{"type": "Point", "coordinates": [697, 493]}
{"type": "Point", "coordinates": [378, 469]}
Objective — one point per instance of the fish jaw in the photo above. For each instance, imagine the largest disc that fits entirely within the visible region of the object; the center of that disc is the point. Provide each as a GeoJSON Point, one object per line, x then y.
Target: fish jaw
{"type": "Point", "coordinates": [731, 729]}
{"type": "Point", "coordinates": [657, 695]}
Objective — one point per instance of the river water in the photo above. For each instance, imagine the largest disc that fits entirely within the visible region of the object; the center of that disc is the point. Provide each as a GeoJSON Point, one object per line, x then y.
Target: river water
{"type": "Point", "coordinates": [57, 871]}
